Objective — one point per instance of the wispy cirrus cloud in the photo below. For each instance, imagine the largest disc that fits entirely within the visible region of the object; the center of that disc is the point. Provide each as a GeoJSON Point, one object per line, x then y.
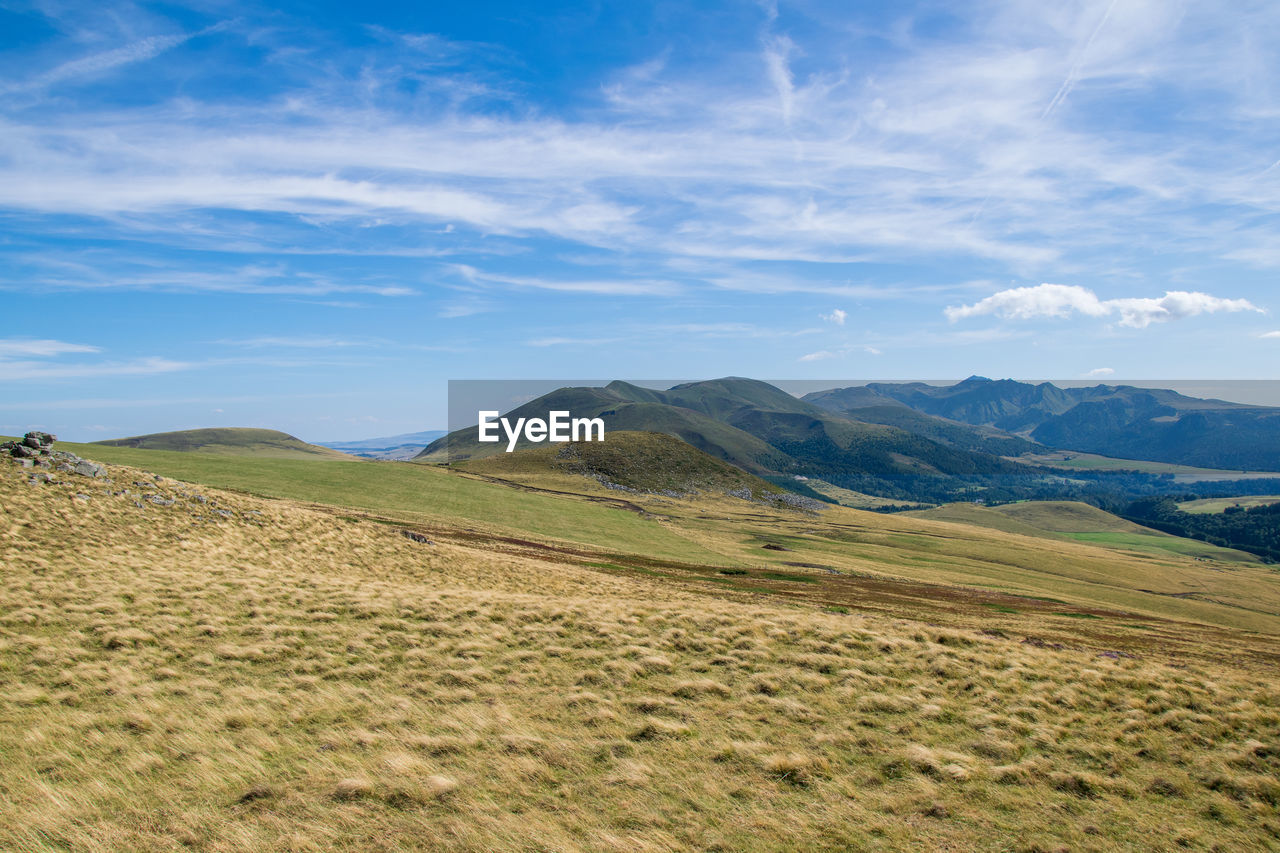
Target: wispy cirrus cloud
{"type": "Point", "coordinates": [96, 64]}
{"type": "Point", "coordinates": [606, 287]}
{"type": "Point", "coordinates": [22, 371]}
{"type": "Point", "coordinates": [10, 347]}
{"type": "Point", "coordinates": [298, 342]}
{"type": "Point", "coordinates": [698, 166]}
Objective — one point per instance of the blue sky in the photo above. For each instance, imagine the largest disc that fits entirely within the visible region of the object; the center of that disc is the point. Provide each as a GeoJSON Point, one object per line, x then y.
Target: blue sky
{"type": "Point", "coordinates": [310, 216]}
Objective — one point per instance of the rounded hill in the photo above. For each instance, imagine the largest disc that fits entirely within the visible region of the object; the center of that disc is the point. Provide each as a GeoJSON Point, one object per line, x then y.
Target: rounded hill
{"type": "Point", "coordinates": [228, 441]}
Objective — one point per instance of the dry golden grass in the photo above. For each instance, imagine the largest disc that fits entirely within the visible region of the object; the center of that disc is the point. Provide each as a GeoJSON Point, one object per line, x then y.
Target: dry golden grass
{"type": "Point", "coordinates": [278, 679]}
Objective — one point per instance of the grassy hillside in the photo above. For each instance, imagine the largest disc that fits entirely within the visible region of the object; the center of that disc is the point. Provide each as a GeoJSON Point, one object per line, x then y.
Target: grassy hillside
{"type": "Point", "coordinates": [1212, 505]}
{"type": "Point", "coordinates": [1079, 522]}
{"type": "Point", "coordinates": [409, 492]}
{"type": "Point", "coordinates": [850, 498]}
{"type": "Point", "coordinates": [643, 461]}
{"type": "Point", "coordinates": [231, 673]}
{"type": "Point", "coordinates": [863, 559]}
{"type": "Point", "coordinates": [1071, 459]}
{"type": "Point", "coordinates": [234, 441]}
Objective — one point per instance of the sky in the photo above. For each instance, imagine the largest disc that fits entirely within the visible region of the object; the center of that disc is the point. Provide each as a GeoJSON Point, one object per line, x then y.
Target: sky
{"type": "Point", "coordinates": [311, 216]}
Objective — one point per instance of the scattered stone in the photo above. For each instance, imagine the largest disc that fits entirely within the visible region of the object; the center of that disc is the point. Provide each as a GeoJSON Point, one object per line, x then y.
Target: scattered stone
{"type": "Point", "coordinates": [26, 463]}
{"type": "Point", "coordinates": [81, 496]}
{"type": "Point", "coordinates": [160, 500]}
{"type": "Point", "coordinates": [85, 468]}
{"type": "Point", "coordinates": [22, 451]}
{"type": "Point", "coordinates": [224, 513]}
{"type": "Point", "coordinates": [416, 537]}
{"type": "Point", "coordinates": [771, 547]}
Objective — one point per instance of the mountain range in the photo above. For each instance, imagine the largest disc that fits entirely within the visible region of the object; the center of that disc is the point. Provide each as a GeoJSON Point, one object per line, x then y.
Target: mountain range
{"type": "Point", "coordinates": [769, 432]}
{"type": "Point", "coordinates": [917, 441]}
{"type": "Point", "coordinates": [1122, 421]}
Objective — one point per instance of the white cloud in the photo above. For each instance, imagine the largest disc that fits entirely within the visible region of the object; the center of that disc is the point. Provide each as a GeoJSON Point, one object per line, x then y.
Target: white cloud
{"type": "Point", "coordinates": [823, 355]}
{"type": "Point", "coordinates": [777, 51]}
{"type": "Point", "coordinates": [1275, 334]}
{"type": "Point", "coordinates": [569, 342]}
{"type": "Point", "coordinates": [40, 348]}
{"type": "Point", "coordinates": [1100, 371]}
{"type": "Point", "coordinates": [1059, 300]}
{"type": "Point", "coordinates": [299, 342]}
{"type": "Point", "coordinates": [961, 147]}
{"type": "Point", "coordinates": [611, 287]}
{"type": "Point", "coordinates": [837, 316]}
{"type": "Point", "coordinates": [26, 370]}
{"type": "Point", "coordinates": [100, 63]}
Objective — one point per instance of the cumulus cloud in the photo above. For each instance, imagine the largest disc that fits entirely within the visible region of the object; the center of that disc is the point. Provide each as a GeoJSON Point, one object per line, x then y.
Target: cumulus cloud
{"type": "Point", "coordinates": [1064, 300]}
{"type": "Point", "coordinates": [1100, 371]}
{"type": "Point", "coordinates": [837, 316]}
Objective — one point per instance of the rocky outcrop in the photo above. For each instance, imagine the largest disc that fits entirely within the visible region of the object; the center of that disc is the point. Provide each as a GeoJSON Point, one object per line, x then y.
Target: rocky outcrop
{"type": "Point", "coordinates": [35, 450]}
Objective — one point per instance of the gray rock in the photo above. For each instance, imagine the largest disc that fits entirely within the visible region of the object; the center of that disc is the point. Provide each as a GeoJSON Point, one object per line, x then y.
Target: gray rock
{"type": "Point", "coordinates": [160, 500]}
{"type": "Point", "coordinates": [26, 463]}
{"type": "Point", "coordinates": [38, 439]}
{"type": "Point", "coordinates": [85, 468]}
{"type": "Point", "coordinates": [22, 451]}
{"type": "Point", "coordinates": [81, 496]}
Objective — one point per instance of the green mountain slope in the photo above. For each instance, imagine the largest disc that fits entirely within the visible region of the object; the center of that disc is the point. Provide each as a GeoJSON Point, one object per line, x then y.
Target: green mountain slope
{"type": "Point", "coordinates": [1113, 420]}
{"type": "Point", "coordinates": [865, 405]}
{"type": "Point", "coordinates": [643, 461]}
{"type": "Point", "coordinates": [618, 407]}
{"type": "Point", "coordinates": [235, 441]}
{"type": "Point", "coordinates": [763, 430]}
{"type": "Point", "coordinates": [1071, 520]}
